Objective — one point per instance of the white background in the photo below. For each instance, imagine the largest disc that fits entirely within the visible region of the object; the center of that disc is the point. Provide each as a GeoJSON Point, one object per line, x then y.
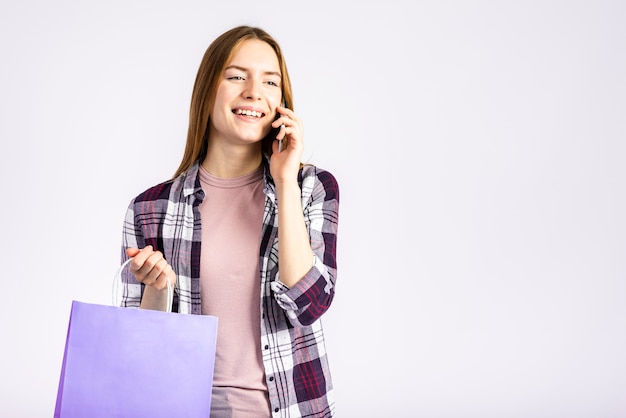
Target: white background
{"type": "Point", "coordinates": [479, 147]}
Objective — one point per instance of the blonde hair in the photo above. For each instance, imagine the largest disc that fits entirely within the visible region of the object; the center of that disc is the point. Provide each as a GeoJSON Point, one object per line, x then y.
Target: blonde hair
{"type": "Point", "coordinates": [212, 67]}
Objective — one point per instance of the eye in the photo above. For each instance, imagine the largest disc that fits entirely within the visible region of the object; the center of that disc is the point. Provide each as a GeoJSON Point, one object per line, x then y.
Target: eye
{"type": "Point", "coordinates": [273, 83]}
{"type": "Point", "coordinates": [235, 77]}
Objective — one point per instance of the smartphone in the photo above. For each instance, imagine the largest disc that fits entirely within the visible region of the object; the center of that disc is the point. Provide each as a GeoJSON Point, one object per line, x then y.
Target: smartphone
{"type": "Point", "coordinates": [280, 142]}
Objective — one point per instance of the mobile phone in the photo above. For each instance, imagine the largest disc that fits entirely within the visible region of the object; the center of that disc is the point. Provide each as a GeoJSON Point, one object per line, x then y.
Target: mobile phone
{"type": "Point", "coordinates": [280, 141]}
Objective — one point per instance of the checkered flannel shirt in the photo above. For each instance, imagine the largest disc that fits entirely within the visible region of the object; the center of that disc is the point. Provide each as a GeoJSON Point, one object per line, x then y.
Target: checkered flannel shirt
{"type": "Point", "coordinates": [166, 216]}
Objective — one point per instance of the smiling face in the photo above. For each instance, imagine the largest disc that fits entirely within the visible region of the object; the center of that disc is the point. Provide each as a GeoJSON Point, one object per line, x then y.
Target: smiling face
{"type": "Point", "coordinates": [247, 95]}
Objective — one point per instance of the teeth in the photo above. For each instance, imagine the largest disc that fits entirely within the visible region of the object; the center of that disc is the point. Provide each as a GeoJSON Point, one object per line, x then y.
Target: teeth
{"type": "Point", "coordinates": [248, 113]}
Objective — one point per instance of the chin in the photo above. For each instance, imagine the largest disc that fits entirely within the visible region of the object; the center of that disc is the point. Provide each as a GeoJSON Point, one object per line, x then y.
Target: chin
{"type": "Point", "coordinates": [253, 137]}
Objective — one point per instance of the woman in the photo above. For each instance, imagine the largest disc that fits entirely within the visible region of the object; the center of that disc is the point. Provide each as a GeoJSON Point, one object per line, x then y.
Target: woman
{"type": "Point", "coordinates": [244, 232]}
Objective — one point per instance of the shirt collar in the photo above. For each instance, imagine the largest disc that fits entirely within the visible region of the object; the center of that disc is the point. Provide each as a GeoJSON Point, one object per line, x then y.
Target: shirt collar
{"type": "Point", "coordinates": [191, 180]}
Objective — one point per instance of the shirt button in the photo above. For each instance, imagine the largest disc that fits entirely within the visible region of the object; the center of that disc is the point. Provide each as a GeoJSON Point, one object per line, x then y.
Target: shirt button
{"type": "Point", "coordinates": [267, 346]}
{"type": "Point", "coordinates": [276, 409]}
{"type": "Point", "coordinates": [271, 378]}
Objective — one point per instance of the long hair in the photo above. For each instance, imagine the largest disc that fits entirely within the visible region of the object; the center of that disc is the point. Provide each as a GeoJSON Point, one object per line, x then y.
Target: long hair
{"type": "Point", "coordinates": [211, 70]}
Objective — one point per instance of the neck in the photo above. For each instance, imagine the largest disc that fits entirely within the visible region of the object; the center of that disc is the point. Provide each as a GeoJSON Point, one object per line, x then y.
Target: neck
{"type": "Point", "coordinates": [232, 162]}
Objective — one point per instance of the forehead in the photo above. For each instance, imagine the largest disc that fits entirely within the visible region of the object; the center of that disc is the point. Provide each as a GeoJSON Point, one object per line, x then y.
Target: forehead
{"type": "Point", "coordinates": [254, 53]}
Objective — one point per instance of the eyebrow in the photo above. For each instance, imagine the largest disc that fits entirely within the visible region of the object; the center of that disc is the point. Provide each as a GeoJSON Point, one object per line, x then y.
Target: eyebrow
{"type": "Point", "coordinates": [237, 67]}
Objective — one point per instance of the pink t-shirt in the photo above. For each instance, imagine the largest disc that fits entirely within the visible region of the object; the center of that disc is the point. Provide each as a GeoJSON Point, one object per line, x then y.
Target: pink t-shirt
{"type": "Point", "coordinates": [230, 288]}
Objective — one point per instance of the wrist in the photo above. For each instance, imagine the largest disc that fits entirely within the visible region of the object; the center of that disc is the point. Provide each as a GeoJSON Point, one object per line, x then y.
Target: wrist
{"type": "Point", "coordinates": [286, 185]}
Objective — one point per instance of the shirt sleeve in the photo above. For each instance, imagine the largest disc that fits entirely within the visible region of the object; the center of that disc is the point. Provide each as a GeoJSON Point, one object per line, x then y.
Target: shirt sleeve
{"type": "Point", "coordinates": [311, 297]}
{"type": "Point", "coordinates": [131, 237]}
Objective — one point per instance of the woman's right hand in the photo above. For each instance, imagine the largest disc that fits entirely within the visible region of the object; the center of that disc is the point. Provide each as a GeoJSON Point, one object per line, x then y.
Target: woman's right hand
{"type": "Point", "coordinates": [150, 267]}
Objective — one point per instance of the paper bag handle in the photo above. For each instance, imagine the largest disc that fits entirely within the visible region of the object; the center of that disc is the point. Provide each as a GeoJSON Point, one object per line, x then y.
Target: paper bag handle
{"type": "Point", "coordinates": [118, 279]}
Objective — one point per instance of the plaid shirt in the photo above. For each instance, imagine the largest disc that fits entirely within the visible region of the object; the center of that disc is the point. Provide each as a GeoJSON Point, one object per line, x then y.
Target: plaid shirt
{"type": "Point", "coordinates": [167, 217]}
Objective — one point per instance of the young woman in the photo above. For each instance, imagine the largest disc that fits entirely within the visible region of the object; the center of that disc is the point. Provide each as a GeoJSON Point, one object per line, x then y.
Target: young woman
{"type": "Point", "coordinates": [244, 232]}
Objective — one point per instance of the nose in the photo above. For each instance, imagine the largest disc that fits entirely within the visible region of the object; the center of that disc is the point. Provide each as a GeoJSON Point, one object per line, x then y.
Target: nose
{"type": "Point", "coordinates": [253, 89]}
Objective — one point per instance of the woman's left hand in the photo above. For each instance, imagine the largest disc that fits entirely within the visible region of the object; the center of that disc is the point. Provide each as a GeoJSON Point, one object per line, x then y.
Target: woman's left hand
{"type": "Point", "coordinates": [284, 164]}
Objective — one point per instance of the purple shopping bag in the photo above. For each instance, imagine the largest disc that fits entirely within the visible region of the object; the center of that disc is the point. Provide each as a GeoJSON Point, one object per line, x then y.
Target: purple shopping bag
{"type": "Point", "coordinates": [129, 362]}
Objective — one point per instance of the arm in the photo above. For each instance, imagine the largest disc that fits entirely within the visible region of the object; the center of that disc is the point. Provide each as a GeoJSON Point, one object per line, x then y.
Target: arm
{"type": "Point", "coordinates": [294, 249]}
{"type": "Point", "coordinates": [307, 228]}
{"type": "Point", "coordinates": [295, 256]}
{"type": "Point", "coordinates": [310, 297]}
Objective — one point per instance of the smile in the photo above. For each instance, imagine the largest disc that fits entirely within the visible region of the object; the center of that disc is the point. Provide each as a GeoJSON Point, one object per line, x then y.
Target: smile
{"type": "Point", "coordinates": [251, 113]}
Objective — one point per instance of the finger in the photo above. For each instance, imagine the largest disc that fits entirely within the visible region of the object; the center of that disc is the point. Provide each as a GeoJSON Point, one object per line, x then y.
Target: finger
{"type": "Point", "coordinates": [292, 135]}
{"type": "Point", "coordinates": [286, 119]}
{"type": "Point", "coordinates": [167, 276]}
{"type": "Point", "coordinates": [153, 276]}
{"type": "Point", "coordinates": [150, 263]}
{"type": "Point", "coordinates": [290, 128]}
{"type": "Point", "coordinates": [285, 111]}
{"type": "Point", "coordinates": [146, 260]}
{"type": "Point", "coordinates": [277, 123]}
{"type": "Point", "coordinates": [281, 132]}
{"type": "Point", "coordinates": [131, 252]}
{"type": "Point", "coordinates": [140, 258]}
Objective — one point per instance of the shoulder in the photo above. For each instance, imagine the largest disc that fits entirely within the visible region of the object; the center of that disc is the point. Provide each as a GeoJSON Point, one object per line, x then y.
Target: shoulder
{"type": "Point", "coordinates": [174, 190]}
{"type": "Point", "coordinates": [160, 191]}
{"type": "Point", "coordinates": [151, 204]}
